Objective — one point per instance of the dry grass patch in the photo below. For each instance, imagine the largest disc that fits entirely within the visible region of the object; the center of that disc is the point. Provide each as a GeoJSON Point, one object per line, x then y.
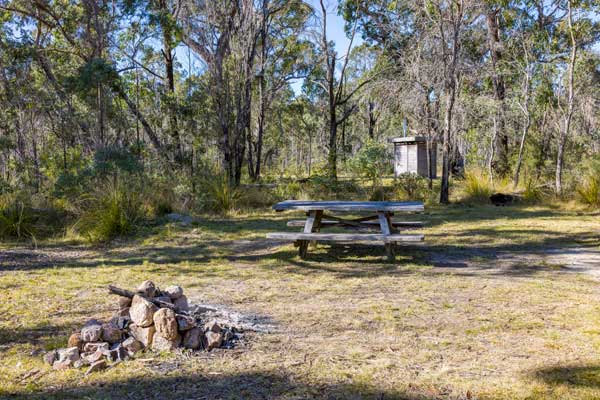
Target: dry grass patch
{"type": "Point", "coordinates": [346, 324]}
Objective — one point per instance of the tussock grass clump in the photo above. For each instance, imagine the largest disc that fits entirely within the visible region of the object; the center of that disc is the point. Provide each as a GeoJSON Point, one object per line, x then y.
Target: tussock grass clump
{"type": "Point", "coordinates": [220, 196]}
{"type": "Point", "coordinates": [533, 193]}
{"type": "Point", "coordinates": [589, 190]}
{"type": "Point", "coordinates": [115, 211]}
{"type": "Point", "coordinates": [21, 217]}
{"type": "Point", "coordinates": [477, 188]}
{"type": "Point", "coordinates": [17, 218]}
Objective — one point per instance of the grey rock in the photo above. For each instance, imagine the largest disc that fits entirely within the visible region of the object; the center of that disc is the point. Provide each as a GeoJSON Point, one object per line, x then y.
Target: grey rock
{"type": "Point", "coordinates": [181, 304]}
{"type": "Point", "coordinates": [58, 365]}
{"type": "Point", "coordinates": [91, 358]}
{"type": "Point", "coordinates": [193, 338]}
{"type": "Point", "coordinates": [185, 322]}
{"type": "Point", "coordinates": [116, 353]}
{"type": "Point", "coordinates": [91, 322]}
{"type": "Point", "coordinates": [132, 345]}
{"type": "Point", "coordinates": [92, 347]}
{"type": "Point", "coordinates": [147, 289]}
{"type": "Point", "coordinates": [121, 322]}
{"type": "Point", "coordinates": [174, 292]}
{"type": "Point", "coordinates": [212, 340]}
{"type": "Point", "coordinates": [50, 357]}
{"type": "Point", "coordinates": [70, 353]}
{"type": "Point", "coordinates": [110, 333]}
{"type": "Point", "coordinates": [80, 363]}
{"type": "Point", "coordinates": [212, 326]}
{"type": "Point", "coordinates": [91, 333]}
{"type": "Point", "coordinates": [142, 311]}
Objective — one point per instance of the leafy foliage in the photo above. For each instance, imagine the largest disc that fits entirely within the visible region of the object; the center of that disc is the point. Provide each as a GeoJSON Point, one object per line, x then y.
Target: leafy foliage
{"type": "Point", "coordinates": [372, 161]}
{"type": "Point", "coordinates": [411, 186]}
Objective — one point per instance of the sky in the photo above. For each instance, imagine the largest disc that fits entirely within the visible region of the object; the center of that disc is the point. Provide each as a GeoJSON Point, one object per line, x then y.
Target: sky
{"type": "Point", "coordinates": [335, 32]}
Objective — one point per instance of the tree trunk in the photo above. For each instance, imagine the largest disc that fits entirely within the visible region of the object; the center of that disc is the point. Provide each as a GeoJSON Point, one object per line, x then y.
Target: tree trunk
{"type": "Point", "coordinates": [500, 161]}
{"type": "Point", "coordinates": [570, 104]}
{"type": "Point", "coordinates": [169, 60]}
{"type": "Point", "coordinates": [372, 120]}
{"type": "Point", "coordinates": [526, 123]}
{"type": "Point", "coordinates": [451, 96]}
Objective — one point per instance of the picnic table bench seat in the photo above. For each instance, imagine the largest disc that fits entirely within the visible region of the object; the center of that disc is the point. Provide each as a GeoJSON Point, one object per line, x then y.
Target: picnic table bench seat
{"type": "Point", "coordinates": [345, 237]}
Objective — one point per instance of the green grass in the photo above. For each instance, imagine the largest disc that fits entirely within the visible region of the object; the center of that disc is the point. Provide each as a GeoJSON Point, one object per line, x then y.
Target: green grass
{"type": "Point", "coordinates": [449, 320]}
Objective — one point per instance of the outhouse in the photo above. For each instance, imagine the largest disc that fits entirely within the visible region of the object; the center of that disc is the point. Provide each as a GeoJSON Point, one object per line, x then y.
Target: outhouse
{"type": "Point", "coordinates": [410, 155]}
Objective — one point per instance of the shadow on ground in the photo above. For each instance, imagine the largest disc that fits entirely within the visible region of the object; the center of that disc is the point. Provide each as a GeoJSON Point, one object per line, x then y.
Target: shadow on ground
{"type": "Point", "coordinates": [574, 376]}
{"type": "Point", "coordinates": [471, 251]}
{"type": "Point", "coordinates": [32, 335]}
{"type": "Point", "coordinates": [259, 385]}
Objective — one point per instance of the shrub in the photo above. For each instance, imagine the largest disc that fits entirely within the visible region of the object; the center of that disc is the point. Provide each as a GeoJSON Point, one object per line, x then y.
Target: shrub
{"type": "Point", "coordinates": [533, 193]}
{"type": "Point", "coordinates": [372, 161]}
{"type": "Point", "coordinates": [257, 197]}
{"type": "Point", "coordinates": [288, 190]}
{"type": "Point", "coordinates": [17, 218]}
{"type": "Point", "coordinates": [323, 187]}
{"type": "Point", "coordinates": [380, 193]}
{"type": "Point", "coordinates": [589, 190]}
{"type": "Point", "coordinates": [477, 187]}
{"type": "Point", "coordinates": [110, 213]}
{"type": "Point", "coordinates": [220, 196]}
{"type": "Point", "coordinates": [411, 186]}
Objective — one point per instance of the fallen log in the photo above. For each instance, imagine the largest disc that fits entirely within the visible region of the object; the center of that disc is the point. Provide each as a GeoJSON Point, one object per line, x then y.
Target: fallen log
{"type": "Point", "coordinates": [129, 294]}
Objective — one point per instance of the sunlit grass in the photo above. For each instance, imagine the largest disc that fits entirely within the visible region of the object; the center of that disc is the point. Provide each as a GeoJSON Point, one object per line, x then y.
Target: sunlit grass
{"type": "Point", "coordinates": [347, 323]}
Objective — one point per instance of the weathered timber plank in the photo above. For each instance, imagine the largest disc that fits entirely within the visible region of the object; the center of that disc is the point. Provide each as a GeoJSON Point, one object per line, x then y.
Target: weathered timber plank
{"type": "Point", "coordinates": [345, 237]}
{"type": "Point", "coordinates": [348, 206]}
{"type": "Point", "coordinates": [312, 222]}
{"type": "Point", "coordinates": [375, 224]}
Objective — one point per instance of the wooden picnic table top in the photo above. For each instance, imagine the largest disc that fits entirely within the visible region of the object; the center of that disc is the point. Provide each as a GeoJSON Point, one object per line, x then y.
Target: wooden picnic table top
{"type": "Point", "coordinates": [357, 206]}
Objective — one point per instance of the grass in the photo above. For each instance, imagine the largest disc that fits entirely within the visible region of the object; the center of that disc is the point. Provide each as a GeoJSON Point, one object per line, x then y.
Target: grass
{"type": "Point", "coordinates": [458, 318]}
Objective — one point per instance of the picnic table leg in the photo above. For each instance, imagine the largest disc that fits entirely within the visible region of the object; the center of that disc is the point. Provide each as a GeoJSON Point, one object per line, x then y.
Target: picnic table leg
{"type": "Point", "coordinates": [384, 223]}
{"type": "Point", "coordinates": [312, 221]}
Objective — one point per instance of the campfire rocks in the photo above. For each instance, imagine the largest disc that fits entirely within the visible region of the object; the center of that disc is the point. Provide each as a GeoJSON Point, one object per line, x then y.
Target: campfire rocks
{"type": "Point", "coordinates": [149, 318]}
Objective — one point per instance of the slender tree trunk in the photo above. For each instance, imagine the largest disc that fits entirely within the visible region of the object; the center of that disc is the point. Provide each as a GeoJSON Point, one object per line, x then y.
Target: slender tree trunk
{"type": "Point", "coordinates": [526, 123]}
{"type": "Point", "coordinates": [499, 163]}
{"type": "Point", "coordinates": [451, 96]}
{"type": "Point", "coordinates": [372, 120]}
{"type": "Point", "coordinates": [564, 134]}
{"type": "Point", "coordinates": [450, 83]}
{"type": "Point", "coordinates": [100, 105]}
{"type": "Point", "coordinates": [169, 60]}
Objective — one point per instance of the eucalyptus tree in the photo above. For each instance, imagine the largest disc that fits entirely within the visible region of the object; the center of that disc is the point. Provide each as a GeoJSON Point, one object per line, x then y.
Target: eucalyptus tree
{"type": "Point", "coordinates": [225, 35]}
{"type": "Point", "coordinates": [334, 82]}
{"type": "Point", "coordinates": [283, 56]}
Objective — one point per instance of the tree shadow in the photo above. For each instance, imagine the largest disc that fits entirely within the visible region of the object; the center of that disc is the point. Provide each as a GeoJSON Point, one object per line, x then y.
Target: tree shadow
{"type": "Point", "coordinates": [574, 376]}
{"type": "Point", "coordinates": [249, 385]}
{"type": "Point", "coordinates": [456, 254]}
{"type": "Point", "coordinates": [35, 335]}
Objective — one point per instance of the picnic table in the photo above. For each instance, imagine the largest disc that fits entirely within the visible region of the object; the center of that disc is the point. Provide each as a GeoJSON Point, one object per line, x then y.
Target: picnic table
{"type": "Point", "coordinates": [377, 216]}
